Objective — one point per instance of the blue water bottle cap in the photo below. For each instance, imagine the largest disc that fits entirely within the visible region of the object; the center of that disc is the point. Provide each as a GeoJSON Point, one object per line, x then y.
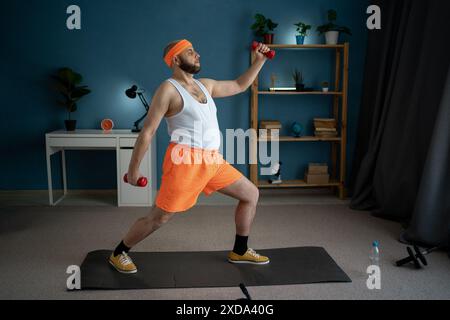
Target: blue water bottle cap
{"type": "Point", "coordinates": [375, 243]}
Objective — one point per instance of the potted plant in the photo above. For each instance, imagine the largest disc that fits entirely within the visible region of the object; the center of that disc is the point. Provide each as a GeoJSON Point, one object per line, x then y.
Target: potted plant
{"type": "Point", "coordinates": [302, 30]}
{"type": "Point", "coordinates": [68, 84]}
{"type": "Point", "coordinates": [325, 86]}
{"type": "Point", "coordinates": [332, 30]}
{"type": "Point", "coordinates": [263, 28]}
{"type": "Point", "coordinates": [298, 78]}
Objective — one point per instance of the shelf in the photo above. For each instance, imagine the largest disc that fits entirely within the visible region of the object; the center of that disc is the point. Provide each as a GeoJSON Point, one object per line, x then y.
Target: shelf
{"type": "Point", "coordinates": [305, 46]}
{"type": "Point", "coordinates": [296, 184]}
{"type": "Point", "coordinates": [300, 139]}
{"type": "Point", "coordinates": [336, 93]}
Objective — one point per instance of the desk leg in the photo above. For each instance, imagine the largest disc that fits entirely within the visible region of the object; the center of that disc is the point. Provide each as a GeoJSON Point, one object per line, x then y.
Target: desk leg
{"type": "Point", "coordinates": [49, 177]}
{"type": "Point", "coordinates": [63, 160]}
{"type": "Point", "coordinates": [119, 175]}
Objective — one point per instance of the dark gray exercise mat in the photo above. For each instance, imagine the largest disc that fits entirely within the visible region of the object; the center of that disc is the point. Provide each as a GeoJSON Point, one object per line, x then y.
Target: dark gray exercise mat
{"type": "Point", "coordinates": [211, 269]}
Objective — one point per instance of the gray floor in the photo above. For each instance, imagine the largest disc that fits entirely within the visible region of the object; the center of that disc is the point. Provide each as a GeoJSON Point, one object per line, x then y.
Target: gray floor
{"type": "Point", "coordinates": [39, 242]}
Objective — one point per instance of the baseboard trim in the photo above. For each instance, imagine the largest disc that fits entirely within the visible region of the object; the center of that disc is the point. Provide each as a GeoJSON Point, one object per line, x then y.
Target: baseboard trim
{"type": "Point", "coordinates": [108, 197]}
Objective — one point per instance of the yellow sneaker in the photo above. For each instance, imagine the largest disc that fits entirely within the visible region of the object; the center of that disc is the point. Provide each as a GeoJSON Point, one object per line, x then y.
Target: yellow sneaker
{"type": "Point", "coordinates": [123, 263]}
{"type": "Point", "coordinates": [249, 257]}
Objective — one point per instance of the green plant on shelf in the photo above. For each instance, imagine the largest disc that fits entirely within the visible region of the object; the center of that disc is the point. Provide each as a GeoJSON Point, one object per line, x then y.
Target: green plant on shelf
{"type": "Point", "coordinates": [302, 28]}
{"type": "Point", "coordinates": [263, 25]}
{"type": "Point", "coordinates": [331, 26]}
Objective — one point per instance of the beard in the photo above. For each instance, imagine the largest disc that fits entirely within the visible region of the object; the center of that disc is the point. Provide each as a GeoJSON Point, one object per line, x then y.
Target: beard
{"type": "Point", "coordinates": [189, 68]}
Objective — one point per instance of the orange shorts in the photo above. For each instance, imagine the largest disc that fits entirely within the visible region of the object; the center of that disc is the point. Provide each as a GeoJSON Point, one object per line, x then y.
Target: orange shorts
{"type": "Point", "coordinates": [188, 171]}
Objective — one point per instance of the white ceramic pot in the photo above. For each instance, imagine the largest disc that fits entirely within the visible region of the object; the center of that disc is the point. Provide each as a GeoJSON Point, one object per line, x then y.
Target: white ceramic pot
{"type": "Point", "coordinates": [332, 37]}
{"type": "Point", "coordinates": [325, 89]}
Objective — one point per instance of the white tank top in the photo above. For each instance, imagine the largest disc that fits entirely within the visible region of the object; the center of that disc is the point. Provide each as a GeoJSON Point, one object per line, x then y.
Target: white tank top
{"type": "Point", "coordinates": [196, 124]}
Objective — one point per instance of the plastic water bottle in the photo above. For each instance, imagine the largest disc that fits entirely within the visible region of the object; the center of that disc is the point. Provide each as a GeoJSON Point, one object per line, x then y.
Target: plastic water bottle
{"type": "Point", "coordinates": [375, 254]}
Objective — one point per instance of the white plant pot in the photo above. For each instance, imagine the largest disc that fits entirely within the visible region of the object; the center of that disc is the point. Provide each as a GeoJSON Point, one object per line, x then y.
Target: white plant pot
{"type": "Point", "coordinates": [332, 37]}
{"type": "Point", "coordinates": [325, 89]}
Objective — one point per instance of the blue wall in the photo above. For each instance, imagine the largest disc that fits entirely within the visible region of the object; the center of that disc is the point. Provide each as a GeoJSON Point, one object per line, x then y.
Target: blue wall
{"type": "Point", "coordinates": [121, 43]}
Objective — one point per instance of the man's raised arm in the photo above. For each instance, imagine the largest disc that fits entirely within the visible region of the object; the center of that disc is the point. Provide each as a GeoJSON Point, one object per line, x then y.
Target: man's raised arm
{"type": "Point", "coordinates": [221, 89]}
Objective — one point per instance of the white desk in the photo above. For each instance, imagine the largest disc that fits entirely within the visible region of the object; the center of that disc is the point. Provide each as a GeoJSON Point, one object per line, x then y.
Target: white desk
{"type": "Point", "coordinates": [120, 140]}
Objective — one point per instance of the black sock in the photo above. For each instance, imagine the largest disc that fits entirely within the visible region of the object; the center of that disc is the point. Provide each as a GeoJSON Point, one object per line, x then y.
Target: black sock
{"type": "Point", "coordinates": [121, 248]}
{"type": "Point", "coordinates": [240, 245]}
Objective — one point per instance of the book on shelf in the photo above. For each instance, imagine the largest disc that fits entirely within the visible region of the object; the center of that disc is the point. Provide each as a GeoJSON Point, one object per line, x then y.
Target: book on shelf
{"type": "Point", "coordinates": [317, 173]}
{"type": "Point", "coordinates": [325, 129]}
{"type": "Point", "coordinates": [269, 133]}
{"type": "Point", "coordinates": [320, 178]}
{"type": "Point", "coordinates": [291, 90]}
{"type": "Point", "coordinates": [325, 133]}
{"type": "Point", "coordinates": [282, 89]}
{"type": "Point", "coordinates": [324, 123]}
{"type": "Point", "coordinates": [270, 127]}
{"type": "Point", "coordinates": [270, 124]}
{"type": "Point", "coordinates": [317, 168]}
{"type": "Point", "coordinates": [325, 119]}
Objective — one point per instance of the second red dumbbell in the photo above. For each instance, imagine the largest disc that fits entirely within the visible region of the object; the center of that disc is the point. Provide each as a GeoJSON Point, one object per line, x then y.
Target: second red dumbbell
{"type": "Point", "coordinates": [142, 181]}
{"type": "Point", "coordinates": [269, 54]}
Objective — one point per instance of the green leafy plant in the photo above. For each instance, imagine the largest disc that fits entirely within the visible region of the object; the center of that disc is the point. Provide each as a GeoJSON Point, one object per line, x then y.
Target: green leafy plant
{"type": "Point", "coordinates": [302, 28]}
{"type": "Point", "coordinates": [262, 25]}
{"type": "Point", "coordinates": [331, 26]}
{"type": "Point", "coordinates": [68, 84]}
{"type": "Point", "coordinates": [325, 84]}
{"type": "Point", "coordinates": [297, 76]}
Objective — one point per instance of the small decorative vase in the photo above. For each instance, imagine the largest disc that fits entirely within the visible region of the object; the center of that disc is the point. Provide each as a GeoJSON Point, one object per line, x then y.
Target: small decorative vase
{"type": "Point", "coordinates": [268, 38]}
{"type": "Point", "coordinates": [332, 37]}
{"type": "Point", "coordinates": [70, 124]}
{"type": "Point", "coordinates": [300, 39]}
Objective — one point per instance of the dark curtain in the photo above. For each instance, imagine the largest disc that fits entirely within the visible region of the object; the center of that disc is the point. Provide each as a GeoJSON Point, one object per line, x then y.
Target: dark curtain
{"type": "Point", "coordinates": [402, 156]}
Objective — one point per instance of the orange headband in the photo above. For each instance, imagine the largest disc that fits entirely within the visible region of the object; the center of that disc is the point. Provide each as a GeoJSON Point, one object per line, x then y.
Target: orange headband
{"type": "Point", "coordinates": [177, 49]}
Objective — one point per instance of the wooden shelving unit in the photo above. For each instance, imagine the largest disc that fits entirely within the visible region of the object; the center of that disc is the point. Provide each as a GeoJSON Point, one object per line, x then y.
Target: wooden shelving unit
{"type": "Point", "coordinates": [338, 144]}
{"type": "Point", "coordinates": [302, 93]}
{"type": "Point", "coordinates": [303, 138]}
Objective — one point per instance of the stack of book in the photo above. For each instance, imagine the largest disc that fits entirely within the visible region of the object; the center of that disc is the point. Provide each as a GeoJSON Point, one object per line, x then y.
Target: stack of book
{"type": "Point", "coordinates": [325, 127]}
{"type": "Point", "coordinates": [269, 125]}
{"type": "Point", "coordinates": [317, 173]}
{"type": "Point", "coordinates": [282, 89]}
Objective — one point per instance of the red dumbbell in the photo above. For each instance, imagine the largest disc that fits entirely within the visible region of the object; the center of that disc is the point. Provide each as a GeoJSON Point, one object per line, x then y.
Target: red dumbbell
{"type": "Point", "coordinates": [269, 54]}
{"type": "Point", "coordinates": [142, 181]}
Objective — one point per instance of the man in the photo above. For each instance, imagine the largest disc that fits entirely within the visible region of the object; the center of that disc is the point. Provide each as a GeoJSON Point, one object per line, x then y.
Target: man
{"type": "Point", "coordinates": [188, 107]}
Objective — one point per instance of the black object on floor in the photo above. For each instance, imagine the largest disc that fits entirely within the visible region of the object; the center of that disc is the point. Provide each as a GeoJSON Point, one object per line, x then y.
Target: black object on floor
{"type": "Point", "coordinates": [245, 292]}
{"type": "Point", "coordinates": [416, 258]}
{"type": "Point", "coordinates": [211, 269]}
